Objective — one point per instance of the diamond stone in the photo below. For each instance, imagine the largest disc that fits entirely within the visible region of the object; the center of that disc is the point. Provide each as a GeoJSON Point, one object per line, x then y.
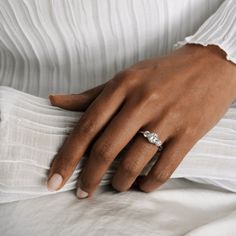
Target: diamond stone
{"type": "Point", "coordinates": [153, 138]}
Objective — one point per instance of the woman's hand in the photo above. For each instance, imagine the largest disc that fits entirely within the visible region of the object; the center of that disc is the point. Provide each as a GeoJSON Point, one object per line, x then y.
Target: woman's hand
{"type": "Point", "coordinates": [180, 96]}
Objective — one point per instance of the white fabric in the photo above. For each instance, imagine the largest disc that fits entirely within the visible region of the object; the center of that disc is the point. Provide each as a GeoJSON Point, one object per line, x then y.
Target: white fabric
{"type": "Point", "coordinates": [31, 132]}
{"type": "Point", "coordinates": [178, 208]}
{"type": "Point", "coordinates": [61, 46]}
{"type": "Point", "coordinates": [219, 29]}
{"type": "Point", "coordinates": [69, 46]}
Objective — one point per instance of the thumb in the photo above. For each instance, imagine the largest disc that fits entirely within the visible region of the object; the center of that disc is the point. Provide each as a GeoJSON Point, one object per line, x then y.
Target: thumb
{"type": "Point", "coordinates": [76, 102]}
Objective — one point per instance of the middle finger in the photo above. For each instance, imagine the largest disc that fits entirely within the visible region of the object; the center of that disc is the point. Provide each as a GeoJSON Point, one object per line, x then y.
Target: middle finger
{"type": "Point", "coordinates": [114, 138]}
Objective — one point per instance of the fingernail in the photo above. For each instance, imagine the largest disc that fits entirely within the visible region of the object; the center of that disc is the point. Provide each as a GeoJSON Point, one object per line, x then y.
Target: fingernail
{"type": "Point", "coordinates": [54, 182]}
{"type": "Point", "coordinates": [51, 98]}
{"type": "Point", "coordinates": [55, 96]}
{"type": "Point", "coordinates": [52, 95]}
{"type": "Point", "coordinates": [80, 193]}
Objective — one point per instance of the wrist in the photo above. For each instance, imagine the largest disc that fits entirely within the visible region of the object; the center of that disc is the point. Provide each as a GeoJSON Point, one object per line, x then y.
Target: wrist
{"type": "Point", "coordinates": [216, 57]}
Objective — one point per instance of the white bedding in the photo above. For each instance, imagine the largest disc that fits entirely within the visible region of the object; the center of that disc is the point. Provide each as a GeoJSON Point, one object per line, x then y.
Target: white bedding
{"type": "Point", "coordinates": [179, 207]}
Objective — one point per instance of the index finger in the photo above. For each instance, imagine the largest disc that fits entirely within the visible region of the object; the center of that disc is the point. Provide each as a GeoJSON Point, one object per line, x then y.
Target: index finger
{"type": "Point", "coordinates": [92, 121]}
{"type": "Point", "coordinates": [76, 102]}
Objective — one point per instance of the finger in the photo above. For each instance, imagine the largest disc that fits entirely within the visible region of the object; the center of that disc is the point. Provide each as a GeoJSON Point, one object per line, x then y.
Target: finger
{"type": "Point", "coordinates": [92, 121]}
{"type": "Point", "coordinates": [137, 156]}
{"type": "Point", "coordinates": [115, 137]}
{"type": "Point", "coordinates": [76, 102]}
{"type": "Point", "coordinates": [170, 157]}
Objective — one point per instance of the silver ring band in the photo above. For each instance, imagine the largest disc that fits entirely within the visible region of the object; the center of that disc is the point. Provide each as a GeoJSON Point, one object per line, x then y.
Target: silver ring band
{"type": "Point", "coordinates": [152, 138]}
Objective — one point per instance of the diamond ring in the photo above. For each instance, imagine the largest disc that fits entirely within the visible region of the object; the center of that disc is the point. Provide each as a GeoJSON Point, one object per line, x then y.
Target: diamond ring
{"type": "Point", "coordinates": [152, 138]}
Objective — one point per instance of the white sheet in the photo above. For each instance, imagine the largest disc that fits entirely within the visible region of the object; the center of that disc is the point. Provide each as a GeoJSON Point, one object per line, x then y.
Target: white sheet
{"type": "Point", "coordinates": [179, 207]}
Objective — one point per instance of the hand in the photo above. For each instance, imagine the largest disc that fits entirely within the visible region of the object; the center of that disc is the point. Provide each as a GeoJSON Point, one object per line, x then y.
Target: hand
{"type": "Point", "coordinates": [180, 96]}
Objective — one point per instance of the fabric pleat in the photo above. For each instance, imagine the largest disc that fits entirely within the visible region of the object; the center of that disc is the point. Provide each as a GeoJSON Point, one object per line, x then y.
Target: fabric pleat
{"type": "Point", "coordinates": [51, 46]}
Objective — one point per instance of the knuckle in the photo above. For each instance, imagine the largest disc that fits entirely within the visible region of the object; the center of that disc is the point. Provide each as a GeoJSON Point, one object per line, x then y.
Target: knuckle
{"type": "Point", "coordinates": [86, 126]}
{"type": "Point", "coordinates": [127, 78]}
{"type": "Point", "coordinates": [160, 177]}
{"type": "Point", "coordinates": [147, 97]}
{"type": "Point", "coordinates": [190, 133]}
{"type": "Point", "coordinates": [144, 189]}
{"type": "Point", "coordinates": [150, 95]}
{"type": "Point", "coordinates": [119, 187]}
{"type": "Point", "coordinates": [102, 153]}
{"type": "Point", "coordinates": [128, 170]}
{"type": "Point", "coordinates": [175, 118]}
{"type": "Point", "coordinates": [175, 114]}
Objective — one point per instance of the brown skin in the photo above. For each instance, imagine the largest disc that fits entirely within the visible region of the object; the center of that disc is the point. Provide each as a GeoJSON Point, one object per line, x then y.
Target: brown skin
{"type": "Point", "coordinates": [180, 96]}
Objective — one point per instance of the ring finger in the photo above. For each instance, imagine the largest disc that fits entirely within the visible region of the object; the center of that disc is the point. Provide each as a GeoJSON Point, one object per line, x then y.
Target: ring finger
{"type": "Point", "coordinates": [137, 156]}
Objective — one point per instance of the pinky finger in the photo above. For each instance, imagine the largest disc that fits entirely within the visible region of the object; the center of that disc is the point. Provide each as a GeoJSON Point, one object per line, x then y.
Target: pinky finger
{"type": "Point", "coordinates": [170, 157]}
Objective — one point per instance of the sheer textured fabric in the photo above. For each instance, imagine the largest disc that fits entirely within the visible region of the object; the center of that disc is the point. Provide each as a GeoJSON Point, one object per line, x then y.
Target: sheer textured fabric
{"type": "Point", "coordinates": [69, 46]}
{"type": "Point", "coordinates": [219, 29]}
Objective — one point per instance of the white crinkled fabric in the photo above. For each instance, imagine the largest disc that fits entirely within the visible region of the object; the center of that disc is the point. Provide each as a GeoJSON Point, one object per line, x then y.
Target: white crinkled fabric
{"type": "Point", "coordinates": [219, 29]}
{"type": "Point", "coordinates": [32, 131]}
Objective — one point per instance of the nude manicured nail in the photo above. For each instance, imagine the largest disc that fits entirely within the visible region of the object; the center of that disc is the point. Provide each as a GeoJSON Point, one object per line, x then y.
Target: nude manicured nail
{"type": "Point", "coordinates": [54, 182]}
{"type": "Point", "coordinates": [80, 193]}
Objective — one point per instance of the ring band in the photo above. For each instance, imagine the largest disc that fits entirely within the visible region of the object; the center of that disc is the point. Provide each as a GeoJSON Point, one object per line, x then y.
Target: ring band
{"type": "Point", "coordinates": [152, 138]}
